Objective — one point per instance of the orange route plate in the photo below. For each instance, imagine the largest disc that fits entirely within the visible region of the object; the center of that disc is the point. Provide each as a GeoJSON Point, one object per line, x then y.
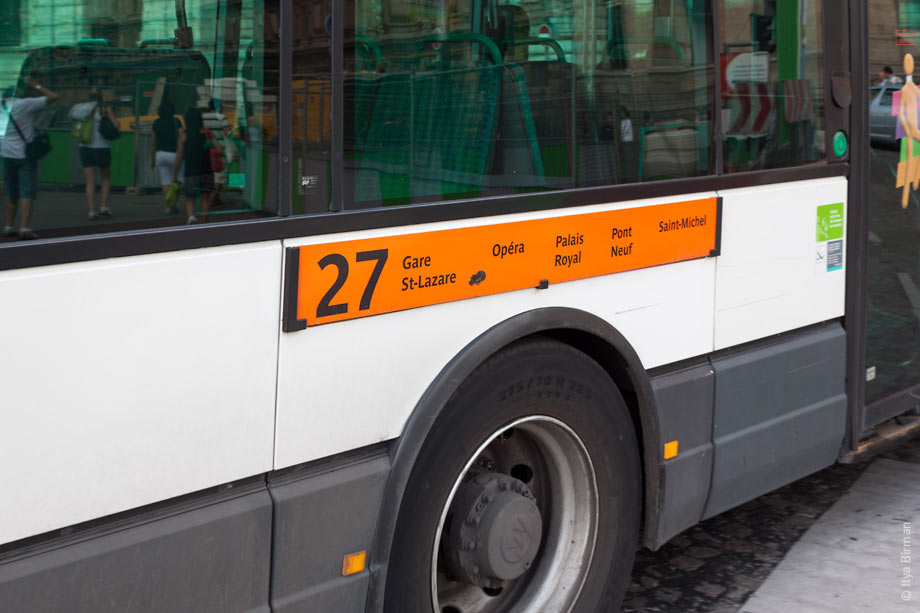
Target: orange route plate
{"type": "Point", "coordinates": [357, 278]}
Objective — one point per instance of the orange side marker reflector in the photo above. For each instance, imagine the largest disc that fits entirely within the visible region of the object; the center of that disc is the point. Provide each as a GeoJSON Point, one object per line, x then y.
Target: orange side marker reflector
{"type": "Point", "coordinates": [670, 450]}
{"type": "Point", "coordinates": [354, 563]}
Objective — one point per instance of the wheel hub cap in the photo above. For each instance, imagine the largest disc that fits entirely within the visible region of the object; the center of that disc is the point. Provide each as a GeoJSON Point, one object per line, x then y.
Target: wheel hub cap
{"type": "Point", "coordinates": [496, 531]}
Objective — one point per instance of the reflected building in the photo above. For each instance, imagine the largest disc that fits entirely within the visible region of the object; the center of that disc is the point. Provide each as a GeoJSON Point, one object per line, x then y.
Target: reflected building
{"type": "Point", "coordinates": [126, 24]}
{"type": "Point", "coordinates": [132, 55]}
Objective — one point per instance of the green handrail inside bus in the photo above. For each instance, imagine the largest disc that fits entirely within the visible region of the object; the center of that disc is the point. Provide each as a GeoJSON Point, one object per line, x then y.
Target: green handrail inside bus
{"type": "Point", "coordinates": [459, 37]}
{"type": "Point", "coordinates": [97, 42]}
{"type": "Point", "coordinates": [678, 50]}
{"type": "Point", "coordinates": [549, 42]}
{"type": "Point", "coordinates": [148, 42]}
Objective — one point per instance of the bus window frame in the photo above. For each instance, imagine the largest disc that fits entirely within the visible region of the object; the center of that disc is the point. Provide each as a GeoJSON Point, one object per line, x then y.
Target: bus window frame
{"type": "Point", "coordinates": [88, 247]}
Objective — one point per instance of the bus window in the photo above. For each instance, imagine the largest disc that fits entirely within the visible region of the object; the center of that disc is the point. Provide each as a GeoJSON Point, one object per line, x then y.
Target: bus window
{"type": "Point", "coordinates": [422, 97]}
{"type": "Point", "coordinates": [126, 91]}
{"type": "Point", "coordinates": [450, 100]}
{"type": "Point", "coordinates": [772, 88]}
{"type": "Point", "coordinates": [652, 77]}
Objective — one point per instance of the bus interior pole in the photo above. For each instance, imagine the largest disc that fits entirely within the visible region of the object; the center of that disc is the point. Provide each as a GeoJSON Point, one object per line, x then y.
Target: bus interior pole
{"type": "Point", "coordinates": [338, 103]}
{"type": "Point", "coordinates": [184, 39]}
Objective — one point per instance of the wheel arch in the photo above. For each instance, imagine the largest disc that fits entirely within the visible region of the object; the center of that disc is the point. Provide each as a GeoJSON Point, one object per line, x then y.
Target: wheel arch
{"type": "Point", "coordinates": [580, 329]}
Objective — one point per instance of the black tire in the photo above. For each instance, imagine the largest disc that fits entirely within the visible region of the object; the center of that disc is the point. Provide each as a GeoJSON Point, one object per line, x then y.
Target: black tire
{"type": "Point", "coordinates": [533, 377]}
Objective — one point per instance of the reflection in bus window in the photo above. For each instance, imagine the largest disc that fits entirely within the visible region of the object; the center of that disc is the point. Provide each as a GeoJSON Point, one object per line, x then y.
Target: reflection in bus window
{"type": "Point", "coordinates": [126, 73]}
{"type": "Point", "coordinates": [893, 257]}
{"type": "Point", "coordinates": [654, 80]}
{"type": "Point", "coordinates": [772, 89]}
{"type": "Point", "coordinates": [450, 100]}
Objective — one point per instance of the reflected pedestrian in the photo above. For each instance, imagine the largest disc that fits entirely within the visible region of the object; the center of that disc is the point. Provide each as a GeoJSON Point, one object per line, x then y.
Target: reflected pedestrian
{"type": "Point", "coordinates": [163, 148]}
{"type": "Point", "coordinates": [20, 174]}
{"type": "Point", "coordinates": [886, 76]}
{"type": "Point", "coordinates": [97, 153]}
{"type": "Point", "coordinates": [195, 144]}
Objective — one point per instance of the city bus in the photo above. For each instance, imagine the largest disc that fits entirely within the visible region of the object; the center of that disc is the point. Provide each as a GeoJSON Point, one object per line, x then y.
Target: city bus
{"type": "Point", "coordinates": [472, 299]}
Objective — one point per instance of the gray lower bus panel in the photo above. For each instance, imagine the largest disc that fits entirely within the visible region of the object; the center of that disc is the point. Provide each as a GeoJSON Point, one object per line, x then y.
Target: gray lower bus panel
{"type": "Point", "coordinates": [321, 516]}
{"type": "Point", "coordinates": [217, 552]}
{"type": "Point", "coordinates": [780, 413]}
{"type": "Point", "coordinates": [211, 558]}
{"type": "Point", "coordinates": [747, 423]}
{"type": "Point", "coordinates": [684, 400]}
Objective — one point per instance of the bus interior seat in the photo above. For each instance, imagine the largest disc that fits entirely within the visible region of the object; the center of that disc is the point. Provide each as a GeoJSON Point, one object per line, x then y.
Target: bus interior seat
{"type": "Point", "coordinates": [518, 157]}
{"type": "Point", "coordinates": [360, 88]}
{"type": "Point", "coordinates": [647, 83]}
{"type": "Point", "coordinates": [673, 141]}
{"type": "Point", "coordinates": [538, 105]}
{"type": "Point", "coordinates": [446, 145]}
{"type": "Point", "coordinates": [616, 117]}
{"type": "Point", "coordinates": [535, 141]}
{"type": "Point", "coordinates": [664, 51]}
{"type": "Point", "coordinates": [383, 154]}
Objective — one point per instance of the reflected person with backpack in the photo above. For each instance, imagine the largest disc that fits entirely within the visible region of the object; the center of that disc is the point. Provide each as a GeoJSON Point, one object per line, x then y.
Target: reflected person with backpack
{"type": "Point", "coordinates": [20, 169]}
{"type": "Point", "coordinates": [203, 156]}
{"type": "Point", "coordinates": [96, 125]}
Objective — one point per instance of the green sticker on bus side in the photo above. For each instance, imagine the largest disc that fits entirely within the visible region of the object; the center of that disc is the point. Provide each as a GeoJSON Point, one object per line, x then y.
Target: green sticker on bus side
{"type": "Point", "coordinates": [830, 222]}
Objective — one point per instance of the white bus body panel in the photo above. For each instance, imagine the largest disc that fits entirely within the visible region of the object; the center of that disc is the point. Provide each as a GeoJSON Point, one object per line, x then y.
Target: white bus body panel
{"type": "Point", "coordinates": [353, 383]}
{"type": "Point", "coordinates": [132, 380]}
{"type": "Point", "coordinates": [767, 280]}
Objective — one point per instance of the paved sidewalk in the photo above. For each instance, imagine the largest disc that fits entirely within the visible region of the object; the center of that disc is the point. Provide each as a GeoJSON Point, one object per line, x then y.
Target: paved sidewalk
{"type": "Point", "coordinates": [854, 558]}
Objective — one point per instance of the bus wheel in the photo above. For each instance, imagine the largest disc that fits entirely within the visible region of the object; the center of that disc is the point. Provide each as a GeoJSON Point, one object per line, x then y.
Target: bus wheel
{"type": "Point", "coordinates": [526, 494]}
